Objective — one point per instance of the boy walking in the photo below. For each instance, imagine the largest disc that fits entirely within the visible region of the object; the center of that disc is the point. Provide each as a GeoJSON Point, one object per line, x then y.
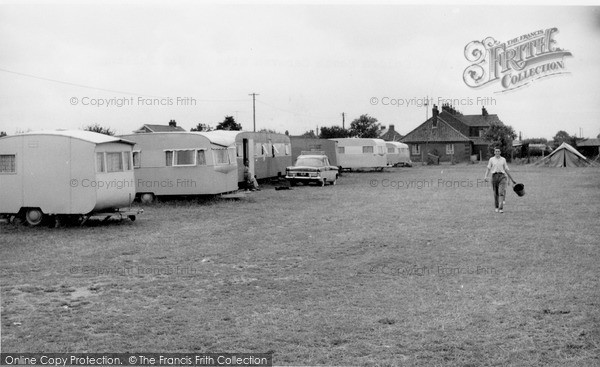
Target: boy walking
{"type": "Point", "coordinates": [499, 169]}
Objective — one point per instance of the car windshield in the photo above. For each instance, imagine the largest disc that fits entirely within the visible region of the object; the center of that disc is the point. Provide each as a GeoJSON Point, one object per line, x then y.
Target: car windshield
{"type": "Point", "coordinates": [310, 162]}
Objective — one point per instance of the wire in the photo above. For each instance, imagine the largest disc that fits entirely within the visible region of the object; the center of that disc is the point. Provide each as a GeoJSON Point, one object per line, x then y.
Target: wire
{"type": "Point", "coordinates": [73, 84]}
{"type": "Point", "coordinates": [109, 90]}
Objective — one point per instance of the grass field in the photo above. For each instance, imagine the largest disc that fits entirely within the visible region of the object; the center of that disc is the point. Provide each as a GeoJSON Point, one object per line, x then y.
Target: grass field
{"type": "Point", "coordinates": [423, 273]}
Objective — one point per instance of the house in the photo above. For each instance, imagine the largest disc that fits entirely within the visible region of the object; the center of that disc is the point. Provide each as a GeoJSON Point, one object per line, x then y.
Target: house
{"type": "Point", "coordinates": [589, 147]}
{"type": "Point", "coordinates": [389, 134]}
{"type": "Point", "coordinates": [171, 127]}
{"type": "Point", "coordinates": [451, 136]}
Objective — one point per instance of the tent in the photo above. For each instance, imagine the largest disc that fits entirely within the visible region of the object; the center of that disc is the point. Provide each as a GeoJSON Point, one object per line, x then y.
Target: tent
{"type": "Point", "coordinates": [565, 156]}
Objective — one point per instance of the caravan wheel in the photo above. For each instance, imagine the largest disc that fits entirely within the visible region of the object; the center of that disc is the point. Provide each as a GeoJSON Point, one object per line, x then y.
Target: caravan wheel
{"type": "Point", "coordinates": [147, 198]}
{"type": "Point", "coordinates": [34, 217]}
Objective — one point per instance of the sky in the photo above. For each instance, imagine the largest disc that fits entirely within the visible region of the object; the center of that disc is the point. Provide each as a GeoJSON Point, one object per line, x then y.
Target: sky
{"type": "Point", "coordinates": [122, 65]}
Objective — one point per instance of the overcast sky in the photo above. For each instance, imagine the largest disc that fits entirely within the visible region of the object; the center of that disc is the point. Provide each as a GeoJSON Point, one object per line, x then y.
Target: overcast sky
{"type": "Point", "coordinates": [308, 63]}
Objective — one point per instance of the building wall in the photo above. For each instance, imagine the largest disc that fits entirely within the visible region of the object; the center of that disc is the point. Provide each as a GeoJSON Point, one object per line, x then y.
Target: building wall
{"type": "Point", "coordinates": [462, 151]}
{"type": "Point", "coordinates": [485, 152]}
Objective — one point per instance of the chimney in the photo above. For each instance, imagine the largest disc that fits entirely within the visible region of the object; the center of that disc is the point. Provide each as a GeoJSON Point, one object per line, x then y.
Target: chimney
{"type": "Point", "coordinates": [392, 128]}
{"type": "Point", "coordinates": [435, 111]}
{"type": "Point", "coordinates": [172, 123]}
{"type": "Point", "coordinates": [483, 111]}
{"type": "Point", "coordinates": [382, 127]}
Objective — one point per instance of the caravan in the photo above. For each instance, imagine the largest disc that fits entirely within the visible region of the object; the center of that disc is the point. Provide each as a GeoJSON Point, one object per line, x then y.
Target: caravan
{"type": "Point", "coordinates": [397, 154]}
{"type": "Point", "coordinates": [361, 153]}
{"type": "Point", "coordinates": [182, 163]}
{"type": "Point", "coordinates": [301, 144]}
{"type": "Point", "coordinates": [65, 173]}
{"type": "Point", "coordinates": [268, 154]}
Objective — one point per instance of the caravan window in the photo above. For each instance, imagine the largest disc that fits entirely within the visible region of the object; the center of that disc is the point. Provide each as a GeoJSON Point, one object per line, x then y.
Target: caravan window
{"type": "Point", "coordinates": [184, 157]}
{"type": "Point", "coordinates": [114, 162]}
{"type": "Point", "coordinates": [258, 149]}
{"type": "Point", "coordinates": [391, 150]}
{"type": "Point", "coordinates": [341, 150]}
{"type": "Point", "coordinates": [239, 149]}
{"type": "Point", "coordinates": [100, 162]}
{"type": "Point", "coordinates": [368, 149]}
{"type": "Point", "coordinates": [221, 156]}
{"type": "Point", "coordinates": [232, 157]}
{"type": "Point", "coordinates": [201, 158]}
{"type": "Point", "coordinates": [127, 160]}
{"type": "Point", "coordinates": [136, 159]}
{"type": "Point", "coordinates": [169, 158]}
{"type": "Point", "coordinates": [7, 163]}
{"type": "Point", "coordinates": [287, 149]}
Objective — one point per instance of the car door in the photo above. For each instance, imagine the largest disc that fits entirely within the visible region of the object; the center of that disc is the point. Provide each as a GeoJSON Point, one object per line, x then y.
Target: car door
{"type": "Point", "coordinates": [329, 172]}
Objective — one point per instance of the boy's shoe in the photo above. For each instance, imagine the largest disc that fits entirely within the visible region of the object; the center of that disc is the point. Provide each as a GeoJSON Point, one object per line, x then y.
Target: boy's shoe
{"type": "Point", "coordinates": [501, 211]}
{"type": "Point", "coordinates": [496, 210]}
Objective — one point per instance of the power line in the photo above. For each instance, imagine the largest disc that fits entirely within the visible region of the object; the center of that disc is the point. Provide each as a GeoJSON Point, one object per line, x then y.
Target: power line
{"type": "Point", "coordinates": [74, 84]}
{"type": "Point", "coordinates": [105, 89]}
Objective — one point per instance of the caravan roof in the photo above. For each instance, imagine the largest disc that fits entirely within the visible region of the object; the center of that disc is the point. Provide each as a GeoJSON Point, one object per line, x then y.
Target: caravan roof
{"type": "Point", "coordinates": [358, 141]}
{"type": "Point", "coordinates": [221, 137]}
{"type": "Point", "coordinates": [88, 136]}
{"type": "Point", "coordinates": [397, 144]}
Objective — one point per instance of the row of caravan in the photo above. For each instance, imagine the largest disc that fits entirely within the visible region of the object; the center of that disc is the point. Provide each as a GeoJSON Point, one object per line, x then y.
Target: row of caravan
{"type": "Point", "coordinates": [81, 173]}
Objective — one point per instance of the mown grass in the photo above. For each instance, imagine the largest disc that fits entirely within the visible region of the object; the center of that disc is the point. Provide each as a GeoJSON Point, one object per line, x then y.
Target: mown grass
{"type": "Point", "coordinates": [352, 274]}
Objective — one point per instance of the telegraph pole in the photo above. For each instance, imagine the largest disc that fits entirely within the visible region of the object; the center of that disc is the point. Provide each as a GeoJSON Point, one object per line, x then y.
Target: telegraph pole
{"type": "Point", "coordinates": [254, 109]}
{"type": "Point", "coordinates": [343, 120]}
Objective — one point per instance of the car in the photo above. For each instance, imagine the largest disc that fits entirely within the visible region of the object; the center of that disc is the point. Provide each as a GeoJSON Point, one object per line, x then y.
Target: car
{"type": "Point", "coordinates": [312, 167]}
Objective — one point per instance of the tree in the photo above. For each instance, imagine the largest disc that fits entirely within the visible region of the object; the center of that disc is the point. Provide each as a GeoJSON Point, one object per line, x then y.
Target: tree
{"type": "Point", "coordinates": [271, 131]}
{"type": "Point", "coordinates": [334, 132]}
{"type": "Point", "coordinates": [364, 127]}
{"type": "Point", "coordinates": [309, 134]}
{"type": "Point", "coordinates": [229, 124]}
{"type": "Point", "coordinates": [99, 129]}
{"type": "Point", "coordinates": [2, 133]}
{"type": "Point", "coordinates": [202, 127]}
{"type": "Point", "coordinates": [536, 141]}
{"type": "Point", "coordinates": [501, 137]}
{"type": "Point", "coordinates": [564, 137]}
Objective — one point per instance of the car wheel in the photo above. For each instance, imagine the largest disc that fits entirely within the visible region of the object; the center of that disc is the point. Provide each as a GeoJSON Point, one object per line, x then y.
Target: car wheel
{"type": "Point", "coordinates": [332, 183]}
{"type": "Point", "coordinates": [292, 183]}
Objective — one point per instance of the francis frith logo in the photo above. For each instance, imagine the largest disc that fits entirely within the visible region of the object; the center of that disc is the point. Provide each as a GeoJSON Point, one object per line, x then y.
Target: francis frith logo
{"type": "Point", "coordinates": [514, 63]}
